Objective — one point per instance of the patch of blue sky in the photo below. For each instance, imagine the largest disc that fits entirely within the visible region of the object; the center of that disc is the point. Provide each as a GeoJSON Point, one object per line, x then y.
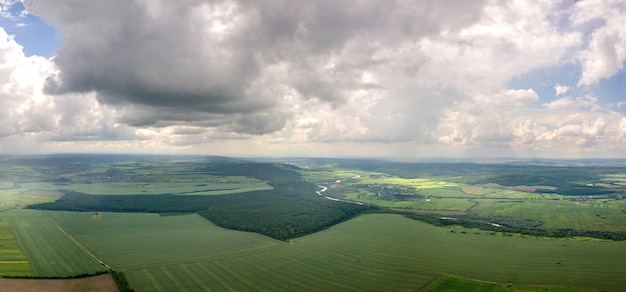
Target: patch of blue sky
{"type": "Point", "coordinates": [544, 80]}
{"type": "Point", "coordinates": [612, 91]}
{"type": "Point", "coordinates": [35, 36]}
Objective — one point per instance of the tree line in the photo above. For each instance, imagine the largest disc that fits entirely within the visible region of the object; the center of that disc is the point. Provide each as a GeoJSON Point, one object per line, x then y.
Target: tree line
{"type": "Point", "coordinates": [512, 225]}
{"type": "Point", "coordinates": [291, 209]}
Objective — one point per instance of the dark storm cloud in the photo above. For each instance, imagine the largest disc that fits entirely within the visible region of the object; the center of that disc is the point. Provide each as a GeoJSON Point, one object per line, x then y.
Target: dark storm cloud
{"type": "Point", "coordinates": [249, 123]}
{"type": "Point", "coordinates": [165, 63]}
{"type": "Point", "coordinates": [130, 54]}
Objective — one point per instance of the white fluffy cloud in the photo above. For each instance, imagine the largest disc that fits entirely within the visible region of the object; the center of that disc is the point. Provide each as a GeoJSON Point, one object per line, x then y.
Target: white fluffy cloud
{"type": "Point", "coordinates": [23, 107]}
{"type": "Point", "coordinates": [570, 125]}
{"type": "Point", "coordinates": [606, 52]}
{"type": "Point", "coordinates": [203, 76]}
{"type": "Point", "coordinates": [561, 89]}
{"type": "Point", "coordinates": [26, 110]}
{"type": "Point", "coordinates": [486, 119]}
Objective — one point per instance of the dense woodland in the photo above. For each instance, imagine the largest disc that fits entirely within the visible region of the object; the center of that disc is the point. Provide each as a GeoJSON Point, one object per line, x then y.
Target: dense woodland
{"type": "Point", "coordinates": [291, 209]}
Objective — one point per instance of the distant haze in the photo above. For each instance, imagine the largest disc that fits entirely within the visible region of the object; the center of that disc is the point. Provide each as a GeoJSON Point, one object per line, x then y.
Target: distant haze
{"type": "Point", "coordinates": [374, 78]}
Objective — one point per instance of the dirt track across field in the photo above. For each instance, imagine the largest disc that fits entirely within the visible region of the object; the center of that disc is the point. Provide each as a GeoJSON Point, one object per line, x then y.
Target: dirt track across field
{"type": "Point", "coordinates": [100, 283]}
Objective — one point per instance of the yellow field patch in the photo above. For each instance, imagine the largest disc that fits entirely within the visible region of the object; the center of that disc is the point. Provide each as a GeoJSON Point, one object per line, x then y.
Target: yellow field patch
{"type": "Point", "coordinates": [472, 190]}
{"type": "Point", "coordinates": [13, 261]}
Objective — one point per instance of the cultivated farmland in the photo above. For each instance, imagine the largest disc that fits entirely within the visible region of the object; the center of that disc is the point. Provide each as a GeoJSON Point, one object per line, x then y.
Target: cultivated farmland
{"type": "Point", "coordinates": [321, 215]}
{"type": "Point", "coordinates": [584, 199]}
{"type": "Point", "coordinates": [13, 261]}
{"type": "Point", "coordinates": [50, 251]}
{"type": "Point", "coordinates": [381, 252]}
{"type": "Point", "coordinates": [232, 186]}
{"type": "Point", "coordinates": [453, 284]}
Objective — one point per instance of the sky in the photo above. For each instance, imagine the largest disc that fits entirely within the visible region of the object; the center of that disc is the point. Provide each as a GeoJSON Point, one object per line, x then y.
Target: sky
{"type": "Point", "coordinates": [370, 78]}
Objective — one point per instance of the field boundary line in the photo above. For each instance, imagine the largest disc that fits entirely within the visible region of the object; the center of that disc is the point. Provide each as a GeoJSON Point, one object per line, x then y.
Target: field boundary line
{"type": "Point", "coordinates": [77, 243]}
{"type": "Point", "coordinates": [432, 282]}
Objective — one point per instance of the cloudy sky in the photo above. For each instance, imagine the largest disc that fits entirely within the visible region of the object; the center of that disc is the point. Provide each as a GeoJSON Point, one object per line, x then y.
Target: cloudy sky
{"type": "Point", "coordinates": [371, 78]}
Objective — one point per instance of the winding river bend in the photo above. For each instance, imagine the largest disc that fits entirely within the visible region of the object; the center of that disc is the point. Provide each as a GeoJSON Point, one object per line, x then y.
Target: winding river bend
{"type": "Point", "coordinates": [323, 189]}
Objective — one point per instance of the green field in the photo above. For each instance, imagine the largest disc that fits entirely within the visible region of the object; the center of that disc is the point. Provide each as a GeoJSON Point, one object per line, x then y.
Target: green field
{"type": "Point", "coordinates": [445, 193]}
{"type": "Point", "coordinates": [582, 215]}
{"type": "Point", "coordinates": [454, 284]}
{"type": "Point", "coordinates": [157, 188]}
{"type": "Point", "coordinates": [371, 252]}
{"type": "Point", "coordinates": [27, 193]}
{"type": "Point", "coordinates": [375, 249]}
{"type": "Point", "coordinates": [13, 261]}
{"type": "Point", "coordinates": [32, 193]}
{"type": "Point", "coordinates": [50, 252]}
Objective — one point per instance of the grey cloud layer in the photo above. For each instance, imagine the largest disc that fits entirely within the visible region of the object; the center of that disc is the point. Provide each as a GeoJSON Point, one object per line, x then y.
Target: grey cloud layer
{"type": "Point", "coordinates": [212, 62]}
{"type": "Point", "coordinates": [184, 73]}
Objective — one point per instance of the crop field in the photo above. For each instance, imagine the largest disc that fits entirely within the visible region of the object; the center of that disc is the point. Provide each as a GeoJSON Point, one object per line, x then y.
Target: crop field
{"type": "Point", "coordinates": [441, 204]}
{"type": "Point", "coordinates": [24, 194]}
{"type": "Point", "coordinates": [32, 193]}
{"type": "Point", "coordinates": [50, 252]}
{"type": "Point", "coordinates": [6, 185]}
{"type": "Point", "coordinates": [583, 215]}
{"type": "Point", "coordinates": [133, 241]}
{"type": "Point", "coordinates": [364, 243]}
{"type": "Point", "coordinates": [167, 188]}
{"type": "Point", "coordinates": [370, 252]}
{"type": "Point", "coordinates": [13, 261]}
{"type": "Point", "coordinates": [495, 193]}
{"type": "Point", "coordinates": [453, 284]}
{"type": "Point", "coordinates": [442, 194]}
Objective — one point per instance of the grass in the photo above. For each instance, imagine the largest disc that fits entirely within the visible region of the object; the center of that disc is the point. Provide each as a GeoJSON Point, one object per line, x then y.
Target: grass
{"type": "Point", "coordinates": [432, 204]}
{"type": "Point", "coordinates": [581, 215]}
{"type": "Point", "coordinates": [372, 252]}
{"type": "Point", "coordinates": [134, 241]}
{"type": "Point", "coordinates": [509, 194]}
{"type": "Point", "coordinates": [453, 284]}
{"type": "Point", "coordinates": [6, 185]}
{"type": "Point", "coordinates": [50, 252]}
{"type": "Point", "coordinates": [33, 193]}
{"type": "Point", "coordinates": [446, 192]}
{"type": "Point", "coordinates": [26, 194]}
{"type": "Point", "coordinates": [600, 213]}
{"type": "Point", "coordinates": [166, 188]}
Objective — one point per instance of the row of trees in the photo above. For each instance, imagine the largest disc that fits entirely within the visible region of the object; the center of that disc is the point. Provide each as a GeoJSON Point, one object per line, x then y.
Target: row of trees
{"type": "Point", "coordinates": [512, 225]}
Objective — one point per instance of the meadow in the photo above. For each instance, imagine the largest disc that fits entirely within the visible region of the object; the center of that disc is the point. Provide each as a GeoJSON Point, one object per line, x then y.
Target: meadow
{"type": "Point", "coordinates": [157, 188]}
{"type": "Point", "coordinates": [24, 194]}
{"type": "Point", "coordinates": [476, 195]}
{"type": "Point", "coordinates": [370, 252]}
